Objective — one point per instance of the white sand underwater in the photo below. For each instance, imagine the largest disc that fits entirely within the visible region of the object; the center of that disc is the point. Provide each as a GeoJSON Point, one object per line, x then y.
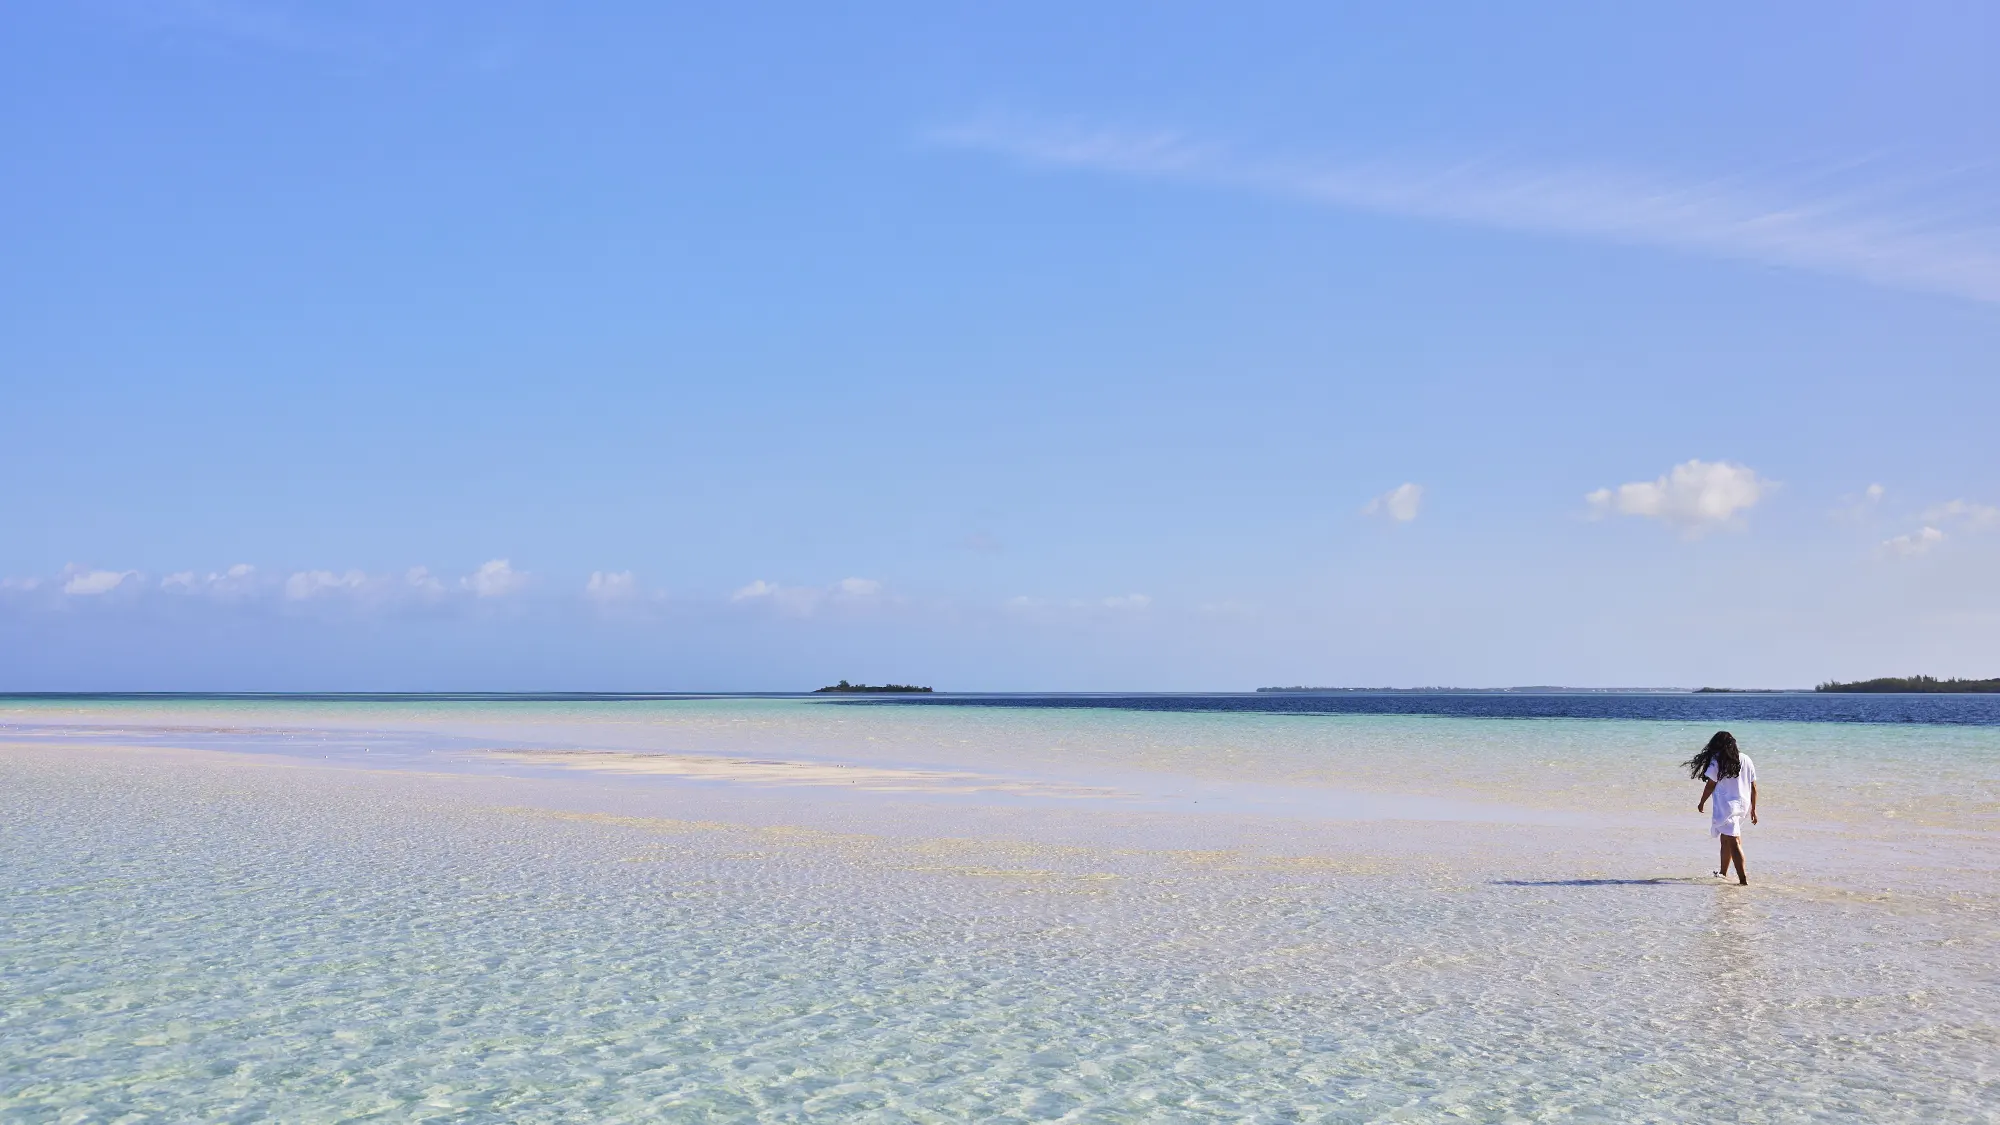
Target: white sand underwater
{"type": "Point", "coordinates": [769, 910]}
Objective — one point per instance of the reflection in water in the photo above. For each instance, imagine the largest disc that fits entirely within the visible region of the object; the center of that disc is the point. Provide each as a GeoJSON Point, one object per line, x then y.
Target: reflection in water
{"type": "Point", "coordinates": [1733, 941]}
{"type": "Point", "coordinates": [1735, 984]}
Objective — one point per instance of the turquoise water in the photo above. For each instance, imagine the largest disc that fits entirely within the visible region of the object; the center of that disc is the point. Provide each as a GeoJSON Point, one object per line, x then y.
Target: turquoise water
{"type": "Point", "coordinates": [1940, 776]}
{"type": "Point", "coordinates": [273, 910]}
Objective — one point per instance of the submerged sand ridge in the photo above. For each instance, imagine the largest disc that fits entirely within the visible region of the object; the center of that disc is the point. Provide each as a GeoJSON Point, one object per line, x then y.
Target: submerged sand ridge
{"type": "Point", "coordinates": [1147, 791]}
{"type": "Point", "coordinates": [724, 768]}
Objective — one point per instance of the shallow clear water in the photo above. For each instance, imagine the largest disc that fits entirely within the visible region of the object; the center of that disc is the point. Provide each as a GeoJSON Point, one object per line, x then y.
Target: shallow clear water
{"type": "Point", "coordinates": [282, 924]}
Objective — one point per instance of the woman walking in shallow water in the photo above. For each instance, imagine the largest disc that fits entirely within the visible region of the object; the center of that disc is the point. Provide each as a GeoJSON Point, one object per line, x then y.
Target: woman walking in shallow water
{"type": "Point", "coordinates": [1732, 781]}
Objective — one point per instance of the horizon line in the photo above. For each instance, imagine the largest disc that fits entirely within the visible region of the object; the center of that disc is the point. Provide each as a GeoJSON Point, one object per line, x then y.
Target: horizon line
{"type": "Point", "coordinates": [360, 694]}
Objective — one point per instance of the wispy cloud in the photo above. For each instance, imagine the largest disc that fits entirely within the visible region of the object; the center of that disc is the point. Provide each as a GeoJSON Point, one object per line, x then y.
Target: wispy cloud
{"type": "Point", "coordinates": [90, 583]}
{"type": "Point", "coordinates": [851, 593]}
{"type": "Point", "coordinates": [1962, 515]}
{"type": "Point", "coordinates": [1071, 608]}
{"type": "Point", "coordinates": [1858, 508]}
{"type": "Point", "coordinates": [611, 586]}
{"type": "Point", "coordinates": [1931, 236]}
{"type": "Point", "coordinates": [1695, 496]}
{"type": "Point", "coordinates": [241, 579]}
{"type": "Point", "coordinates": [1915, 543]}
{"type": "Point", "coordinates": [1399, 504]}
{"type": "Point", "coordinates": [312, 590]}
{"type": "Point", "coordinates": [312, 583]}
{"type": "Point", "coordinates": [1963, 512]}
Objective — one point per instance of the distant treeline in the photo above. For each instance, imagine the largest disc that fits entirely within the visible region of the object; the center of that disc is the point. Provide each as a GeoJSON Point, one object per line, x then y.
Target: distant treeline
{"type": "Point", "coordinates": [1928, 684]}
{"type": "Point", "coordinates": [845, 686]}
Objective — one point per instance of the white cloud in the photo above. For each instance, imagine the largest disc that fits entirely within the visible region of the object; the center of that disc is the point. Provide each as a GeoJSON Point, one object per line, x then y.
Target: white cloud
{"type": "Point", "coordinates": [803, 600]}
{"type": "Point", "coordinates": [1943, 241]}
{"type": "Point", "coordinates": [1399, 503]}
{"type": "Point", "coordinates": [311, 583]}
{"type": "Point", "coordinates": [244, 583]}
{"type": "Point", "coordinates": [1053, 609]}
{"type": "Point", "coordinates": [606, 586]}
{"type": "Point", "coordinates": [1694, 497]}
{"type": "Point", "coordinates": [1962, 511]}
{"type": "Point", "coordinates": [1861, 508]}
{"type": "Point", "coordinates": [1915, 543]}
{"type": "Point", "coordinates": [238, 579]}
{"type": "Point", "coordinates": [495, 579]}
{"type": "Point", "coordinates": [88, 583]}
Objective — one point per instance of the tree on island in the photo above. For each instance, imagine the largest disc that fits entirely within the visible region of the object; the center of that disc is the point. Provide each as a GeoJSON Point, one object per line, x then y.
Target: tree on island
{"type": "Point", "coordinates": [844, 686]}
{"type": "Point", "coordinates": [1927, 685]}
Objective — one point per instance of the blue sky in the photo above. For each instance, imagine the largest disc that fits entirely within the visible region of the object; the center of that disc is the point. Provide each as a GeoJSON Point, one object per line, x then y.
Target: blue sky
{"type": "Point", "coordinates": [510, 346]}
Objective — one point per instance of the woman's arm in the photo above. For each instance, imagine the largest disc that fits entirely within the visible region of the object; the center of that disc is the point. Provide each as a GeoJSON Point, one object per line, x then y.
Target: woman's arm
{"type": "Point", "coordinates": [1710, 788]}
{"type": "Point", "coordinates": [1753, 802]}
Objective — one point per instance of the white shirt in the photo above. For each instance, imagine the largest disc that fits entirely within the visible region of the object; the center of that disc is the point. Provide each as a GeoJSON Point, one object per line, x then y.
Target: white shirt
{"type": "Point", "coordinates": [1733, 790]}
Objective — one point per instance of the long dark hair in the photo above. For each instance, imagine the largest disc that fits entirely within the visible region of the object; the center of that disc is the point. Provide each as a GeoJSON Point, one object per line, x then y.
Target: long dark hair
{"type": "Point", "coordinates": [1721, 751]}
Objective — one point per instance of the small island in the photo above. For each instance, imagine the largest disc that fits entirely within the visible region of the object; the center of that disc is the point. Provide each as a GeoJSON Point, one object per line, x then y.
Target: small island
{"type": "Point", "coordinates": [1928, 685]}
{"type": "Point", "coordinates": [844, 686]}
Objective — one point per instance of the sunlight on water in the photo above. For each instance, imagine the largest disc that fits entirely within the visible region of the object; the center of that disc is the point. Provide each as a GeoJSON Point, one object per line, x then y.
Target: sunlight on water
{"type": "Point", "coordinates": [251, 936]}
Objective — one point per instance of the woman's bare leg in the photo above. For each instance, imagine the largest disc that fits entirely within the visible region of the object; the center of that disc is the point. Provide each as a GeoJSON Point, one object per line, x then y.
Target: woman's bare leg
{"type": "Point", "coordinates": [1735, 846]}
{"type": "Point", "coordinates": [1723, 863]}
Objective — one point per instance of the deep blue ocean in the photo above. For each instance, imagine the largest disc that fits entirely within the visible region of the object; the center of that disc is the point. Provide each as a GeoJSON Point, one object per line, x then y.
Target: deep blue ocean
{"type": "Point", "coordinates": [1793, 707]}
{"type": "Point", "coordinates": [1787, 707]}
